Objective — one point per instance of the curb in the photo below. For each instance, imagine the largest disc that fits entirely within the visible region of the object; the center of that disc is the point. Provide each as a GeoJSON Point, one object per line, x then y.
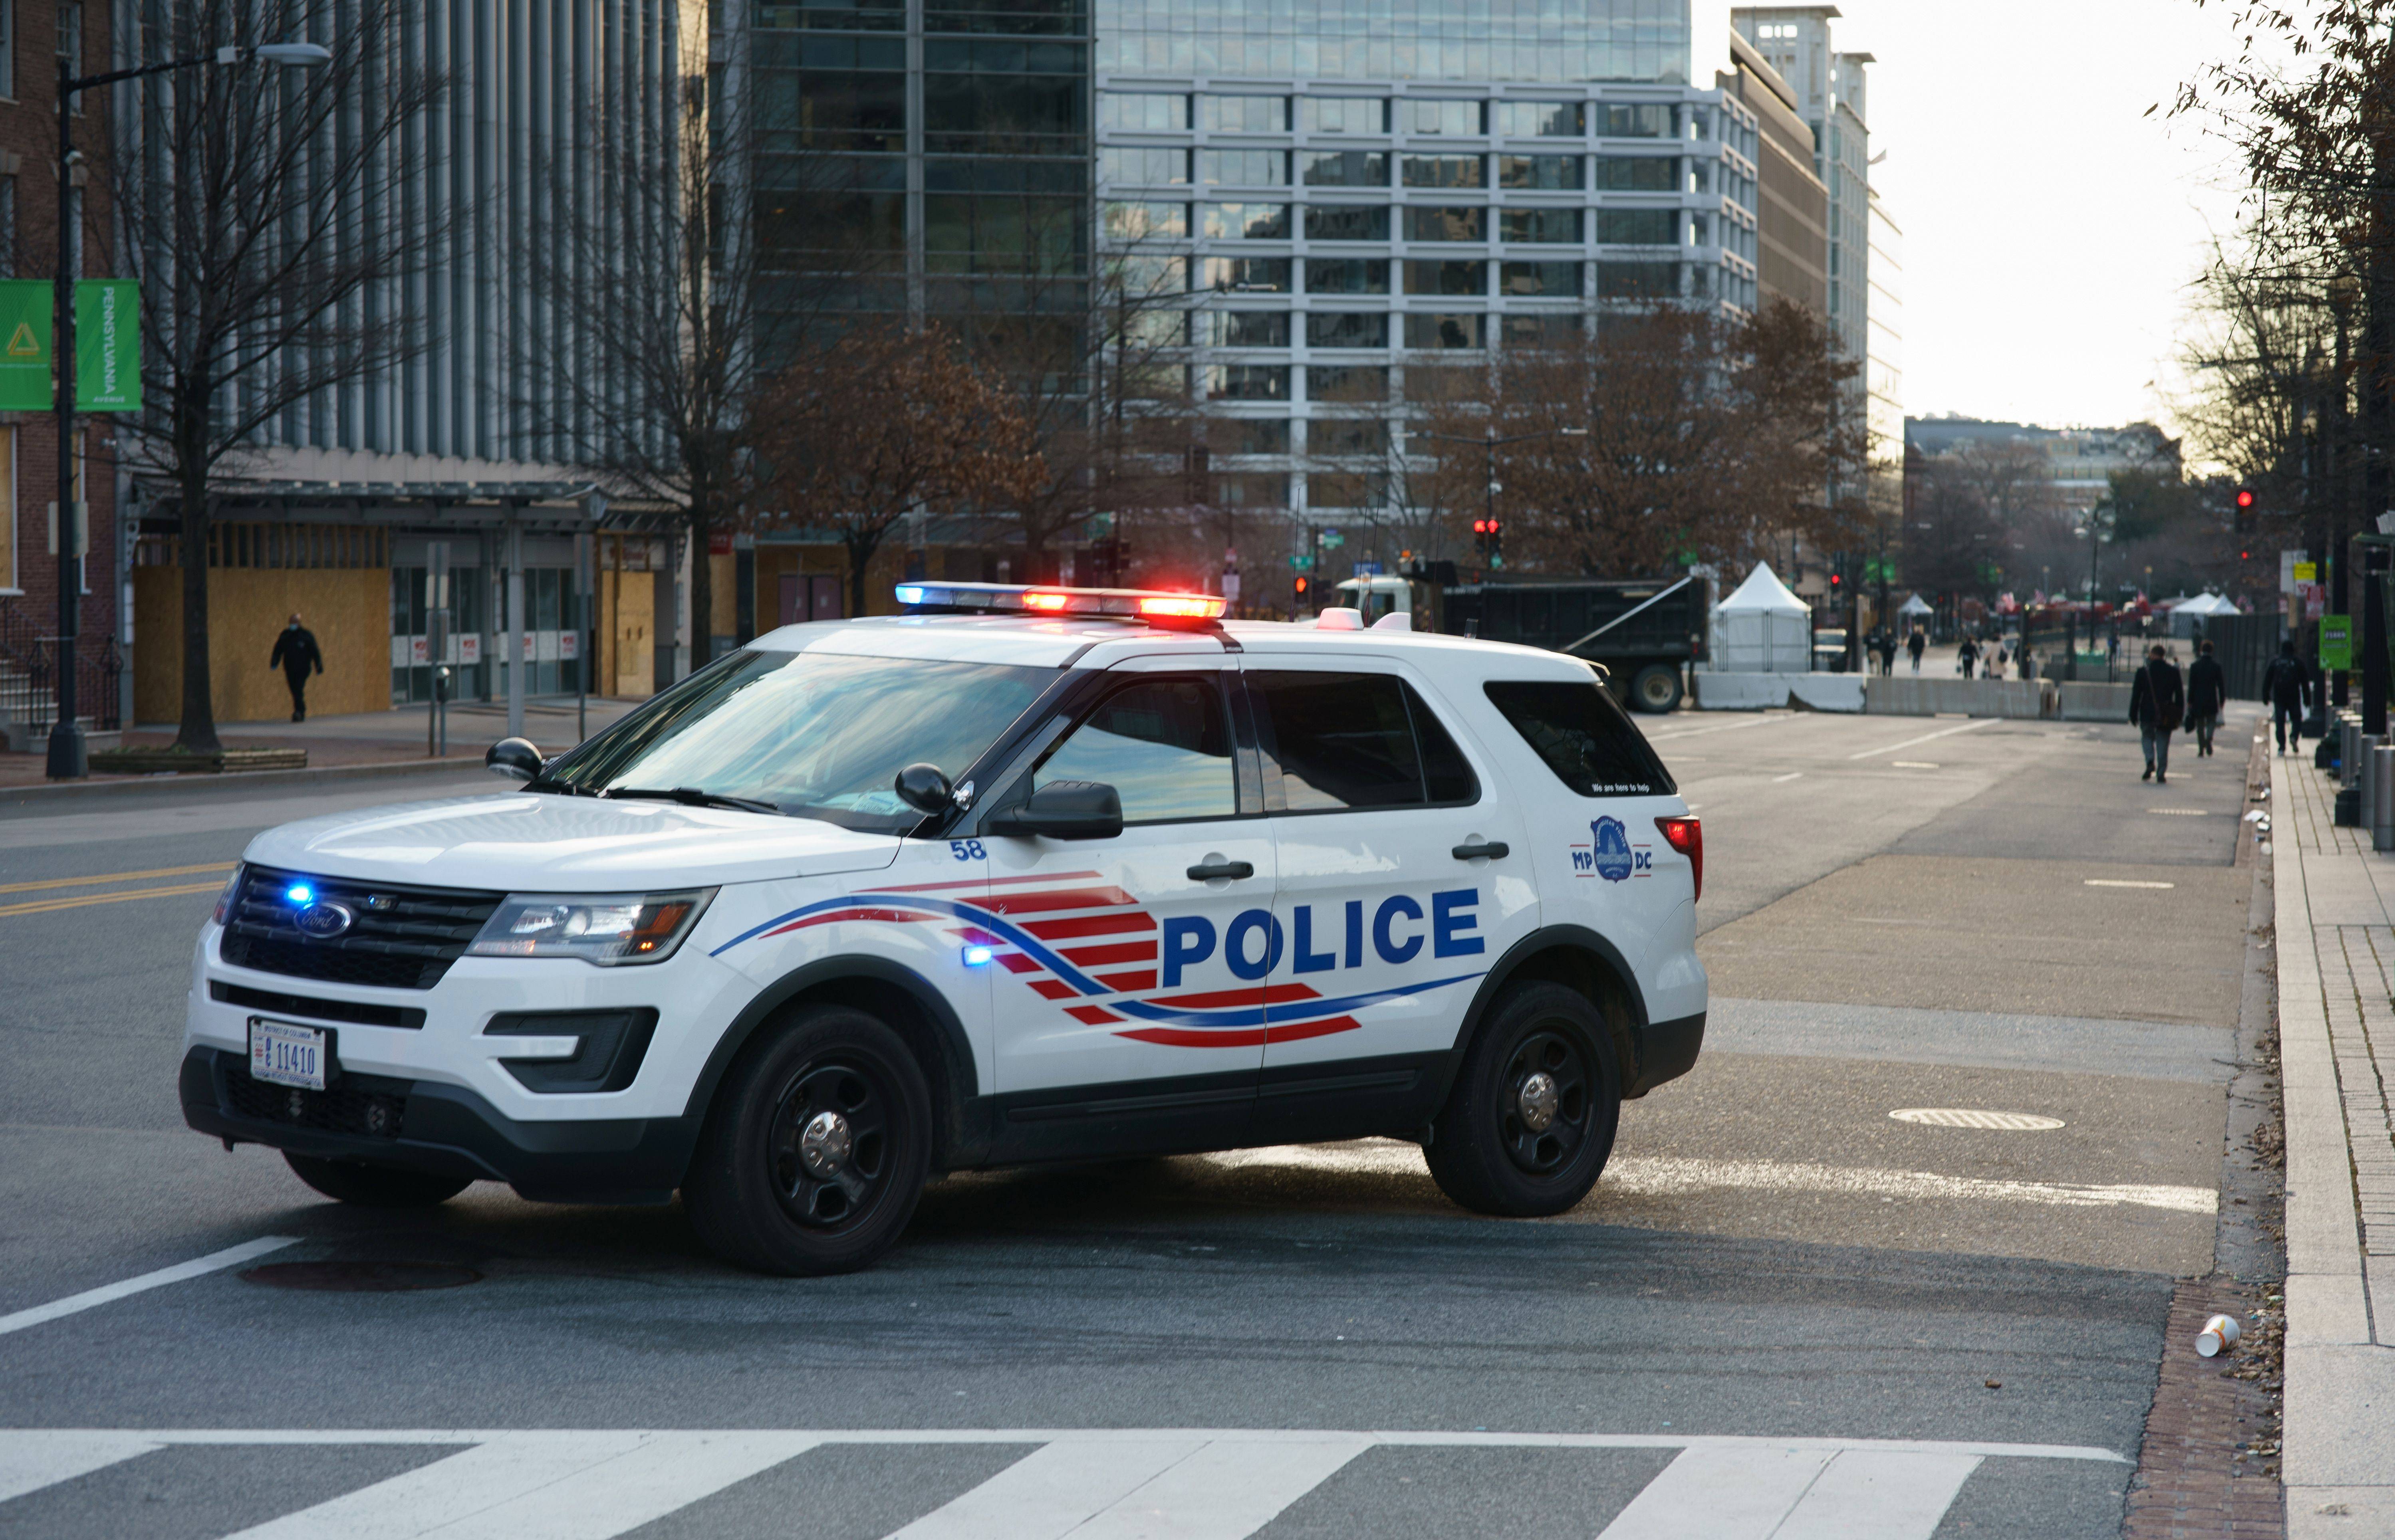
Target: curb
{"type": "Point", "coordinates": [22, 801]}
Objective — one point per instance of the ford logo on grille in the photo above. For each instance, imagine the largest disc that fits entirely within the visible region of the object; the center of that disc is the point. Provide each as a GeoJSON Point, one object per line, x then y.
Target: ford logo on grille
{"type": "Point", "coordinates": [324, 919]}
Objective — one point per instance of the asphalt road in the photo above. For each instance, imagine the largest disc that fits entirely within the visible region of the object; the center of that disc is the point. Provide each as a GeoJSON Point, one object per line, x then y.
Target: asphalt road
{"type": "Point", "coordinates": [1779, 1312]}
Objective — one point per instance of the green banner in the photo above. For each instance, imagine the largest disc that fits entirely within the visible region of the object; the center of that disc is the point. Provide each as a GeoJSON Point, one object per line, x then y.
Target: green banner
{"type": "Point", "coordinates": [25, 383]}
{"type": "Point", "coordinates": [108, 345]}
{"type": "Point", "coordinates": [2337, 641]}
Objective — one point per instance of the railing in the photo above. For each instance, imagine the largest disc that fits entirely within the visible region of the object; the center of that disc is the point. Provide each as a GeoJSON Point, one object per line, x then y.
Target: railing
{"type": "Point", "coordinates": [100, 669]}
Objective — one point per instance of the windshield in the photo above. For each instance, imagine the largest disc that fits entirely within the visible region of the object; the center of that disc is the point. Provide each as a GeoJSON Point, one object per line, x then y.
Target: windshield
{"type": "Point", "coordinates": [814, 734]}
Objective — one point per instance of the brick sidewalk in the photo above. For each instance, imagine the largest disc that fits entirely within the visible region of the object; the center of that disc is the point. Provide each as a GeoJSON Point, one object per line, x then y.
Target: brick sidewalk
{"type": "Point", "coordinates": [2336, 936]}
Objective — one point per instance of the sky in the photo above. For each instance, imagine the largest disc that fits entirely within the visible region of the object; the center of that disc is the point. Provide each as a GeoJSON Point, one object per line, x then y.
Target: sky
{"type": "Point", "coordinates": [2051, 229]}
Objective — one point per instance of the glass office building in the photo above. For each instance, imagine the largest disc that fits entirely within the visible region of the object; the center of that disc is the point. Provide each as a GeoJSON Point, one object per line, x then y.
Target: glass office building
{"type": "Point", "coordinates": [1347, 196]}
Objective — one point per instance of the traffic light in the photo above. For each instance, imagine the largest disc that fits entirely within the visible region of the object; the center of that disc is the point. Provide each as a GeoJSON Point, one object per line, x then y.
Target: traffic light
{"type": "Point", "coordinates": [1302, 585]}
{"type": "Point", "coordinates": [2245, 499]}
{"type": "Point", "coordinates": [1837, 584]}
{"type": "Point", "coordinates": [1490, 534]}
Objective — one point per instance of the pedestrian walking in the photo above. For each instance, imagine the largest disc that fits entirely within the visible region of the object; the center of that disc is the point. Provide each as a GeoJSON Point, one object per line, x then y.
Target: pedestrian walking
{"type": "Point", "coordinates": [2027, 664]}
{"type": "Point", "coordinates": [1996, 663]}
{"type": "Point", "coordinates": [2207, 691]}
{"type": "Point", "coordinates": [1917, 644]}
{"type": "Point", "coordinates": [2284, 685]}
{"type": "Point", "coordinates": [297, 655]}
{"type": "Point", "coordinates": [2157, 704]}
{"type": "Point", "coordinates": [1967, 656]}
{"type": "Point", "coordinates": [1887, 653]}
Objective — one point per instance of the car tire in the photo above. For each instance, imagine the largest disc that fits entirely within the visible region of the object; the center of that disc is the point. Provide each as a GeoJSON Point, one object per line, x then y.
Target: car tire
{"type": "Point", "coordinates": [1529, 1122]}
{"type": "Point", "coordinates": [816, 1148]}
{"type": "Point", "coordinates": [374, 1186]}
{"type": "Point", "coordinates": [1656, 687]}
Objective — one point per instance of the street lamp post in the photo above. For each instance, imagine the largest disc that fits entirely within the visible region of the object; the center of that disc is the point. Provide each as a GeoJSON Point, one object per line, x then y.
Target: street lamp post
{"type": "Point", "coordinates": [1489, 445]}
{"type": "Point", "coordinates": [66, 759]}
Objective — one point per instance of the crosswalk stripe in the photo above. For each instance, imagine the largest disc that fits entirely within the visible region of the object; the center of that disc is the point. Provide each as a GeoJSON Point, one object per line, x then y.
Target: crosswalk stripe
{"type": "Point", "coordinates": [1879, 1493]}
{"type": "Point", "coordinates": [34, 1458]}
{"type": "Point", "coordinates": [1734, 1493]}
{"type": "Point", "coordinates": [1227, 1490]}
{"type": "Point", "coordinates": [1053, 1490]}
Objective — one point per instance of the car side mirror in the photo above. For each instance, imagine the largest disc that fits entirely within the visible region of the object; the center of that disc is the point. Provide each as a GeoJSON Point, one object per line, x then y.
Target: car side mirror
{"type": "Point", "coordinates": [924, 787]}
{"type": "Point", "coordinates": [1063, 810]}
{"type": "Point", "coordinates": [515, 758]}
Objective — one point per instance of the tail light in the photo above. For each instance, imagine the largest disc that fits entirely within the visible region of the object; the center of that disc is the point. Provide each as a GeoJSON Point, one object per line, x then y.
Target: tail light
{"type": "Point", "coordinates": [1687, 837]}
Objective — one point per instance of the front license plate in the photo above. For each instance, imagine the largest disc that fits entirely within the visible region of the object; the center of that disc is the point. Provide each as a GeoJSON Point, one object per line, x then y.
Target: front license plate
{"type": "Point", "coordinates": [285, 1053]}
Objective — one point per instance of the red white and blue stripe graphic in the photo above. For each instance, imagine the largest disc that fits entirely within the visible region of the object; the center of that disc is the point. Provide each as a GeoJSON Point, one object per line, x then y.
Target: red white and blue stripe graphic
{"type": "Point", "coordinates": [1074, 935]}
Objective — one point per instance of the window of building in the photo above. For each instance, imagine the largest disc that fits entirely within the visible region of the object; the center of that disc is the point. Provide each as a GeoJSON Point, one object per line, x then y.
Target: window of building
{"type": "Point", "coordinates": [1432, 223]}
{"type": "Point", "coordinates": [1547, 280]}
{"type": "Point", "coordinates": [1245, 274]}
{"type": "Point", "coordinates": [1250, 435]}
{"type": "Point", "coordinates": [844, 109]}
{"type": "Point", "coordinates": [8, 48]}
{"type": "Point", "coordinates": [1447, 278]}
{"type": "Point", "coordinates": [1346, 275]}
{"type": "Point", "coordinates": [1461, 118]}
{"type": "Point", "coordinates": [1244, 382]}
{"type": "Point", "coordinates": [1246, 222]}
{"type": "Point", "coordinates": [1542, 225]}
{"type": "Point", "coordinates": [1244, 329]}
{"type": "Point", "coordinates": [1637, 281]}
{"type": "Point", "coordinates": [1540, 172]}
{"type": "Point", "coordinates": [1539, 331]}
{"type": "Point", "coordinates": [1522, 120]}
{"type": "Point", "coordinates": [1145, 221]}
{"type": "Point", "coordinates": [9, 574]}
{"type": "Point", "coordinates": [1347, 383]}
{"type": "Point", "coordinates": [1644, 121]}
{"type": "Point", "coordinates": [1152, 380]}
{"type": "Point", "coordinates": [1348, 436]}
{"type": "Point", "coordinates": [1344, 114]}
{"type": "Point", "coordinates": [1341, 489]}
{"type": "Point", "coordinates": [1635, 173]}
{"type": "Point", "coordinates": [1243, 167]}
{"type": "Point", "coordinates": [1346, 222]}
{"type": "Point", "coordinates": [1120, 166]}
{"type": "Point", "coordinates": [1337, 329]}
{"type": "Point", "coordinates": [70, 34]}
{"type": "Point", "coordinates": [1144, 111]}
{"type": "Point", "coordinates": [1444, 382]}
{"type": "Point", "coordinates": [8, 263]}
{"type": "Point", "coordinates": [1164, 746]}
{"type": "Point", "coordinates": [1460, 330]}
{"type": "Point", "coordinates": [1441, 170]}
{"type": "Point", "coordinates": [1342, 167]}
{"type": "Point", "coordinates": [988, 95]}
{"type": "Point", "coordinates": [1224, 115]}
{"type": "Point", "coordinates": [1147, 329]}
{"type": "Point", "coordinates": [1637, 226]}
{"type": "Point", "coordinates": [1138, 276]}
{"type": "Point", "coordinates": [1252, 489]}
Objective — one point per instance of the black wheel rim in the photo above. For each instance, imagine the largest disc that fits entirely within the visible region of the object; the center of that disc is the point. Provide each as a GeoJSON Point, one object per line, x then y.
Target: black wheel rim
{"type": "Point", "coordinates": [826, 1193]}
{"type": "Point", "coordinates": [1569, 1088]}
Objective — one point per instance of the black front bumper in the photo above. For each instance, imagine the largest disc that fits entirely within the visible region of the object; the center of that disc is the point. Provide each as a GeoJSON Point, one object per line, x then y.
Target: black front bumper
{"type": "Point", "coordinates": [448, 1130]}
{"type": "Point", "coordinates": [1666, 1051]}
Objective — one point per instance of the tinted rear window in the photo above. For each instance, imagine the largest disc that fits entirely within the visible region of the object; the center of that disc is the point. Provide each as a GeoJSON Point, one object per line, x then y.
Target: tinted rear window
{"type": "Point", "coordinates": [1357, 741]}
{"type": "Point", "coordinates": [1584, 737]}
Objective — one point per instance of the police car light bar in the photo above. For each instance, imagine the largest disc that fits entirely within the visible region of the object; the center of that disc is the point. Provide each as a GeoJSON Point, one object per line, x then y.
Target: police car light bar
{"type": "Point", "coordinates": [1012, 598]}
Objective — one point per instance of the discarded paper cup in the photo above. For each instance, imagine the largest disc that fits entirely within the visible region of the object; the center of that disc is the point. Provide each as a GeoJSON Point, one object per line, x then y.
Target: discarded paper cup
{"type": "Point", "coordinates": [2219, 1333]}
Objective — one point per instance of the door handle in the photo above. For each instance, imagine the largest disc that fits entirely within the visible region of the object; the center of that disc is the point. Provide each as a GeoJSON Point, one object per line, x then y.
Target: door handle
{"type": "Point", "coordinates": [1210, 870]}
{"type": "Point", "coordinates": [1495, 849]}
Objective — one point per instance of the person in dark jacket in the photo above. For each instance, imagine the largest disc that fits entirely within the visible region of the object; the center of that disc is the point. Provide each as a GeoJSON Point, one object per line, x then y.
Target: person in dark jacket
{"type": "Point", "coordinates": [1968, 654]}
{"type": "Point", "coordinates": [1917, 644]}
{"type": "Point", "coordinates": [2284, 685]}
{"type": "Point", "coordinates": [2207, 691]}
{"type": "Point", "coordinates": [2157, 704]}
{"type": "Point", "coordinates": [297, 655]}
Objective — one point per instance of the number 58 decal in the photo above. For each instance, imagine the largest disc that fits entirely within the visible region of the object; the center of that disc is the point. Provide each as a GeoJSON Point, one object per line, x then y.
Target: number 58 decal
{"type": "Point", "coordinates": [967, 850]}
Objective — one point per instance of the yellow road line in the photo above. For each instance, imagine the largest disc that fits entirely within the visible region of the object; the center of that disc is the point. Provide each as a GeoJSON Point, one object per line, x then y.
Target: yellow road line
{"type": "Point", "coordinates": [82, 900]}
{"type": "Point", "coordinates": [114, 877]}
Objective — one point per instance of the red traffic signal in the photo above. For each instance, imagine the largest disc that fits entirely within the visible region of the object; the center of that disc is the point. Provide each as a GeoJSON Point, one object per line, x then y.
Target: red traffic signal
{"type": "Point", "coordinates": [1303, 584]}
{"type": "Point", "coordinates": [1837, 581]}
{"type": "Point", "coordinates": [2245, 499]}
{"type": "Point", "coordinates": [1486, 526]}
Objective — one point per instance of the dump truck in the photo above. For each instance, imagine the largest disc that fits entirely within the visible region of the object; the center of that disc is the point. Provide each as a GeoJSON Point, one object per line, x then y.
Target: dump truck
{"type": "Point", "coordinates": [1645, 632]}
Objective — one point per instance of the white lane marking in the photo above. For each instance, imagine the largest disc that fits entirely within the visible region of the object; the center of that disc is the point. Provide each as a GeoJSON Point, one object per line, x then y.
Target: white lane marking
{"type": "Point", "coordinates": [215, 1261]}
{"type": "Point", "coordinates": [1054, 1489]}
{"type": "Point", "coordinates": [1229, 1489]}
{"type": "Point", "coordinates": [1791, 775]}
{"type": "Point", "coordinates": [1878, 1493]}
{"type": "Point", "coordinates": [1943, 732]}
{"type": "Point", "coordinates": [1912, 764]}
{"type": "Point", "coordinates": [34, 1458]}
{"type": "Point", "coordinates": [2121, 882]}
{"type": "Point", "coordinates": [1658, 1175]}
{"type": "Point", "coordinates": [2181, 813]}
{"type": "Point", "coordinates": [1976, 1117]}
{"type": "Point", "coordinates": [1764, 720]}
{"type": "Point", "coordinates": [1720, 1493]}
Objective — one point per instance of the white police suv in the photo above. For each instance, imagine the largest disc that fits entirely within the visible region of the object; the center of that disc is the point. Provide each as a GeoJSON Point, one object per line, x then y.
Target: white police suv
{"type": "Point", "coordinates": [1022, 875]}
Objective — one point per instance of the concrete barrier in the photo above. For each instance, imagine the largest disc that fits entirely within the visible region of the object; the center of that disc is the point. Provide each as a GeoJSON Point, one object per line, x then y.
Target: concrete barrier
{"type": "Point", "coordinates": [1740, 692]}
{"type": "Point", "coordinates": [1826, 692]}
{"type": "Point", "coordinates": [2090, 702]}
{"type": "Point", "coordinates": [1911, 695]}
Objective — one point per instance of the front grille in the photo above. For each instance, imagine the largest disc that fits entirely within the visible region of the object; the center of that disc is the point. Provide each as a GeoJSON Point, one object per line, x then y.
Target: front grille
{"type": "Point", "coordinates": [363, 1012]}
{"type": "Point", "coordinates": [351, 1105]}
{"type": "Point", "coordinates": [402, 938]}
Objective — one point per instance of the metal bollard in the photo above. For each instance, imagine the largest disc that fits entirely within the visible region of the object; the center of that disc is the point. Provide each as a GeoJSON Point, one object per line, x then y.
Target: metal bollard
{"type": "Point", "coordinates": [2382, 797]}
{"type": "Point", "coordinates": [2348, 751]}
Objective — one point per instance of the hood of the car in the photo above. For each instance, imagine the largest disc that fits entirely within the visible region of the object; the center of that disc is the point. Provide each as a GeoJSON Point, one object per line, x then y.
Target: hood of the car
{"type": "Point", "coordinates": [525, 842]}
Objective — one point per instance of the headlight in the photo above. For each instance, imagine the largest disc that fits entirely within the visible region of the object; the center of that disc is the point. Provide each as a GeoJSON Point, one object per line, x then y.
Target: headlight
{"type": "Point", "coordinates": [605, 928]}
{"type": "Point", "coordinates": [230, 890]}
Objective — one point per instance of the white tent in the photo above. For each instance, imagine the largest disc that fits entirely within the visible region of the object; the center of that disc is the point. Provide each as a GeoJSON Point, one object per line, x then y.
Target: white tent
{"type": "Point", "coordinates": [2185, 616]}
{"type": "Point", "coordinates": [1762, 628]}
{"type": "Point", "coordinates": [1914, 606]}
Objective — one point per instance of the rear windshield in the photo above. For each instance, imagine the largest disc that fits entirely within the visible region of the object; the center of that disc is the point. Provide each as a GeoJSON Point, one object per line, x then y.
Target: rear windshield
{"type": "Point", "coordinates": [815, 734]}
{"type": "Point", "coordinates": [1583, 735]}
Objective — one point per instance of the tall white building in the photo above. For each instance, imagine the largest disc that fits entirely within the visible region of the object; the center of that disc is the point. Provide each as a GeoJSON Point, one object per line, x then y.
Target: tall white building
{"type": "Point", "coordinates": [1829, 87]}
{"type": "Point", "coordinates": [1883, 360]}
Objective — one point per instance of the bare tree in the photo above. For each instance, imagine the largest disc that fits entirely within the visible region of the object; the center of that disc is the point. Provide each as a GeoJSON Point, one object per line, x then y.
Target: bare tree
{"type": "Point", "coordinates": [257, 208]}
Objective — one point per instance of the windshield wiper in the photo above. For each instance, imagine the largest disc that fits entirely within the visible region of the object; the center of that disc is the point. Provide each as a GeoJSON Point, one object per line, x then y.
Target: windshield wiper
{"type": "Point", "coordinates": [557, 788]}
{"type": "Point", "coordinates": [690, 797]}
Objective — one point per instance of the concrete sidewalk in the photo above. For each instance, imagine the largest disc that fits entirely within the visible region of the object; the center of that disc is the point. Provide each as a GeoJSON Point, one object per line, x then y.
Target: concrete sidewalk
{"type": "Point", "coordinates": [2335, 943]}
